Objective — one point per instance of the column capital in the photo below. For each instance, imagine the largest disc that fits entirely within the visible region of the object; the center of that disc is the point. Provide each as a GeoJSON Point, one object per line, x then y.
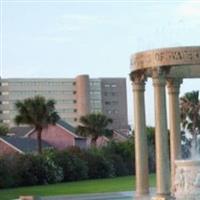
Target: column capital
{"type": "Point", "coordinates": [159, 82]}
{"type": "Point", "coordinates": [159, 76]}
{"type": "Point", "coordinates": [138, 81]}
{"type": "Point", "coordinates": [173, 85]}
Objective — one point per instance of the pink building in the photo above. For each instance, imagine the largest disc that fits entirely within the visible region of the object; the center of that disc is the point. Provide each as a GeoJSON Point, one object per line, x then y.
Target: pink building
{"type": "Point", "coordinates": [60, 136]}
{"type": "Point", "coordinates": [24, 139]}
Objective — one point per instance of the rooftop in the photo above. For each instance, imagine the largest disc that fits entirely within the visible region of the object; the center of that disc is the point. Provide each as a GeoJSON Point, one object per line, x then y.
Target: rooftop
{"type": "Point", "coordinates": [26, 145]}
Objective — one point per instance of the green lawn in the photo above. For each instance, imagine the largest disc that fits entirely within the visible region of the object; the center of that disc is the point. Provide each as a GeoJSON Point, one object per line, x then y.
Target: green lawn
{"type": "Point", "coordinates": [90, 186]}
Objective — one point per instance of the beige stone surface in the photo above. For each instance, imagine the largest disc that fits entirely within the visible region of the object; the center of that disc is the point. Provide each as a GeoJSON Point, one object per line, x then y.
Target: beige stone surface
{"type": "Point", "coordinates": [141, 152]}
{"type": "Point", "coordinates": [177, 56]}
{"type": "Point", "coordinates": [162, 155]}
{"type": "Point", "coordinates": [171, 65]}
{"type": "Point", "coordinates": [173, 86]}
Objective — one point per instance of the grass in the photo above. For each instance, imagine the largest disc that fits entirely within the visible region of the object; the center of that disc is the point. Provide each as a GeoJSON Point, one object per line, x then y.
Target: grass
{"type": "Point", "coordinates": [82, 187]}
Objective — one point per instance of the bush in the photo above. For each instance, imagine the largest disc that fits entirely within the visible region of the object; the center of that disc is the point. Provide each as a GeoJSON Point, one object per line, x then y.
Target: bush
{"type": "Point", "coordinates": [99, 166]}
{"type": "Point", "coordinates": [120, 168]}
{"type": "Point", "coordinates": [53, 171]}
{"type": "Point", "coordinates": [73, 167]}
{"type": "Point", "coordinates": [26, 170]}
{"type": "Point", "coordinates": [6, 177]}
{"type": "Point", "coordinates": [151, 148]}
{"type": "Point", "coordinates": [115, 159]}
{"type": "Point", "coordinates": [36, 169]}
{"type": "Point", "coordinates": [122, 152]}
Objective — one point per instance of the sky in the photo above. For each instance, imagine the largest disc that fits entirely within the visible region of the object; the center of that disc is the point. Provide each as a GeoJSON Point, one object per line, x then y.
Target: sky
{"type": "Point", "coordinates": [66, 38]}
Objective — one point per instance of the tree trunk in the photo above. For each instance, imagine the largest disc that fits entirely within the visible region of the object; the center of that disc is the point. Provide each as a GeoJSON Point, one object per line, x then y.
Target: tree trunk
{"type": "Point", "coordinates": [39, 140]}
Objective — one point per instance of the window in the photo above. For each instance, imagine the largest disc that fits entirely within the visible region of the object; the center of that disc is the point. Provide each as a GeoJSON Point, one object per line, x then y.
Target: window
{"type": "Point", "coordinates": [113, 85]}
{"type": "Point", "coordinates": [4, 83]}
{"type": "Point", "coordinates": [5, 93]}
{"type": "Point", "coordinates": [6, 111]}
{"type": "Point", "coordinates": [6, 121]}
{"type": "Point", "coordinates": [116, 111]}
{"type": "Point", "coordinates": [114, 103]}
{"type": "Point", "coordinates": [107, 102]}
{"type": "Point", "coordinates": [109, 111]}
{"type": "Point", "coordinates": [94, 83]}
{"type": "Point", "coordinates": [107, 85]}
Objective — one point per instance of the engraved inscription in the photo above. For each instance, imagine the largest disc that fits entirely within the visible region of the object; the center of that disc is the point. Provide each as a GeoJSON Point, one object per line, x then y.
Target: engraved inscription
{"type": "Point", "coordinates": [163, 57]}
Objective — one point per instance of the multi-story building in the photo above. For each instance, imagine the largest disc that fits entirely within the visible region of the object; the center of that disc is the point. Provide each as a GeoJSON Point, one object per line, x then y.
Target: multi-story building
{"type": "Point", "coordinates": [74, 97]}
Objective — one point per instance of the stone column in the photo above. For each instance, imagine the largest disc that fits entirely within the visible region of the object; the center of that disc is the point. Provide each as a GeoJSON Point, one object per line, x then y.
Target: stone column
{"type": "Point", "coordinates": [141, 151]}
{"type": "Point", "coordinates": [173, 86]}
{"type": "Point", "coordinates": [161, 135]}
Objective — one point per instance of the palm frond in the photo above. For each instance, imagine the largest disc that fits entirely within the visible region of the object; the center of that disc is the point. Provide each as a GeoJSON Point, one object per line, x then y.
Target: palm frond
{"type": "Point", "coordinates": [94, 125]}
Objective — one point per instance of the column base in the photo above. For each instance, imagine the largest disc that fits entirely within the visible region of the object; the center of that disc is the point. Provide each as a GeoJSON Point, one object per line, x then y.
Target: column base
{"type": "Point", "coordinates": [142, 193]}
{"type": "Point", "coordinates": [143, 196]}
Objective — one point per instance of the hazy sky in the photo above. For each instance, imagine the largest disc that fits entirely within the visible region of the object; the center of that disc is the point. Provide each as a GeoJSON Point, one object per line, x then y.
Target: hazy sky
{"type": "Point", "coordinates": [66, 38]}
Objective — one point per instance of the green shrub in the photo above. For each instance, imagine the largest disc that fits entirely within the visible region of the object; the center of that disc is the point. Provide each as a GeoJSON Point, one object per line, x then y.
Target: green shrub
{"type": "Point", "coordinates": [99, 166]}
{"type": "Point", "coordinates": [26, 169]}
{"type": "Point", "coordinates": [6, 176]}
{"type": "Point", "coordinates": [36, 169]}
{"type": "Point", "coordinates": [151, 148]}
{"type": "Point", "coordinates": [73, 167]}
{"type": "Point", "coordinates": [123, 152]}
{"type": "Point", "coordinates": [120, 167]}
{"type": "Point", "coordinates": [115, 159]}
{"type": "Point", "coordinates": [53, 171]}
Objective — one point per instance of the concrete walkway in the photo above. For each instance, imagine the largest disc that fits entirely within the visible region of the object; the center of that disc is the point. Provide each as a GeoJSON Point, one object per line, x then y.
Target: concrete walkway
{"type": "Point", "coordinates": [99, 196]}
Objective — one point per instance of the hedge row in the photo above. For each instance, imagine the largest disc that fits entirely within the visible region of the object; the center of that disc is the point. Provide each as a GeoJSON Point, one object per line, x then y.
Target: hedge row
{"type": "Point", "coordinates": [116, 159]}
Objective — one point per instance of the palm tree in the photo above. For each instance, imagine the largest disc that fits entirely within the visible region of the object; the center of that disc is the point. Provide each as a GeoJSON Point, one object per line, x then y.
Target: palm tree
{"type": "Point", "coordinates": [190, 117]}
{"type": "Point", "coordinates": [190, 112]}
{"type": "Point", "coordinates": [37, 112]}
{"type": "Point", "coordinates": [94, 125]}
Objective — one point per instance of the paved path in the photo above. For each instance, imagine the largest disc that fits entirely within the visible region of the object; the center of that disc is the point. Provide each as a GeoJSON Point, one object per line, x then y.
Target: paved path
{"type": "Point", "coordinates": [99, 196]}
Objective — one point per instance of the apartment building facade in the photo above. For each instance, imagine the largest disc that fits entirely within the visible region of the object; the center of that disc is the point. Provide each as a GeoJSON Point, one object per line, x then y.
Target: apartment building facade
{"type": "Point", "coordinates": [74, 97]}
